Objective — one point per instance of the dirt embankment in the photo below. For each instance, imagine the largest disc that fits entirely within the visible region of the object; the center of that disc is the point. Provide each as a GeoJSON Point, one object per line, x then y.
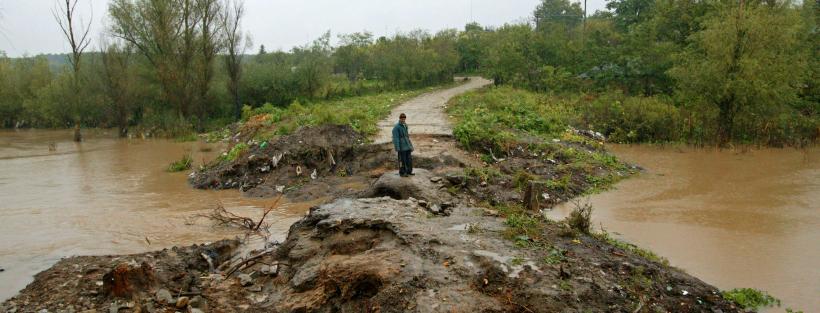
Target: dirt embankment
{"type": "Point", "coordinates": [418, 244]}
{"type": "Point", "coordinates": [429, 252]}
{"type": "Point", "coordinates": [312, 162]}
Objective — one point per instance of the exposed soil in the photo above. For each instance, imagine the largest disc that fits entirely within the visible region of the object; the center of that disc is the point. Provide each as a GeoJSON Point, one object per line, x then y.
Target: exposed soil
{"type": "Point", "coordinates": [430, 252]}
{"type": "Point", "coordinates": [313, 162]}
{"type": "Point", "coordinates": [383, 243]}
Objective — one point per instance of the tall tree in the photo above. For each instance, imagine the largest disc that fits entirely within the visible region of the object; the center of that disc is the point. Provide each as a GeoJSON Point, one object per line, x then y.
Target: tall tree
{"type": "Point", "coordinates": [65, 15]}
{"type": "Point", "coordinates": [563, 13]}
{"type": "Point", "coordinates": [740, 64]}
{"type": "Point", "coordinates": [235, 45]}
{"type": "Point", "coordinates": [119, 82]}
{"type": "Point", "coordinates": [352, 54]}
{"type": "Point", "coordinates": [180, 40]}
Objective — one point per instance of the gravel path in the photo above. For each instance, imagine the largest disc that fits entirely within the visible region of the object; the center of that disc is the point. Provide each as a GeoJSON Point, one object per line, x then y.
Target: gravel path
{"type": "Point", "coordinates": [425, 113]}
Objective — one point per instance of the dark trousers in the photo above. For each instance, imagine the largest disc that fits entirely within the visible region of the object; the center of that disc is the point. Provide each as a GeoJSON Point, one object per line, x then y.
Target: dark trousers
{"type": "Point", "coordinates": [405, 162]}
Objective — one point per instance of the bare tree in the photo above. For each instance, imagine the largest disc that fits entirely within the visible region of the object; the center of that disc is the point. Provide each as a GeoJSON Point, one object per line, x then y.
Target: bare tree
{"type": "Point", "coordinates": [64, 14]}
{"type": "Point", "coordinates": [236, 44]}
{"type": "Point", "coordinates": [210, 43]}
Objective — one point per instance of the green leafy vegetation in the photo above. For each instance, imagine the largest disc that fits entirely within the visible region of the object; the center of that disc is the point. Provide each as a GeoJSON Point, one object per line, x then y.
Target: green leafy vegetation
{"type": "Point", "coordinates": [750, 298]}
{"type": "Point", "coordinates": [580, 218]}
{"type": "Point", "coordinates": [360, 112]}
{"type": "Point", "coordinates": [235, 152]}
{"type": "Point", "coordinates": [181, 164]}
{"type": "Point", "coordinates": [644, 71]}
{"type": "Point", "coordinates": [656, 71]}
{"type": "Point", "coordinates": [647, 254]}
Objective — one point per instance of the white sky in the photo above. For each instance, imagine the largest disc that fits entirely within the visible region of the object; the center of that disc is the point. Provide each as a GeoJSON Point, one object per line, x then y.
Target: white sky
{"type": "Point", "coordinates": [28, 27]}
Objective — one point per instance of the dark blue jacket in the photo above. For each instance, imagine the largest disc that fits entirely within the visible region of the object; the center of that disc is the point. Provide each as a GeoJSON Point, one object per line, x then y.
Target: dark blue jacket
{"type": "Point", "coordinates": [401, 138]}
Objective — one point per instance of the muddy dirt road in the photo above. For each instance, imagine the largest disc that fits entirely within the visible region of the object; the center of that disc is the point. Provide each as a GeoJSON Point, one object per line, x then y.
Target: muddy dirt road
{"type": "Point", "coordinates": [430, 127]}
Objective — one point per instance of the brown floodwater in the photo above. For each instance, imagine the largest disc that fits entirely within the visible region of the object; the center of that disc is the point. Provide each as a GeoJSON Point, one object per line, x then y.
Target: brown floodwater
{"type": "Point", "coordinates": [104, 196]}
{"type": "Point", "coordinates": [733, 218]}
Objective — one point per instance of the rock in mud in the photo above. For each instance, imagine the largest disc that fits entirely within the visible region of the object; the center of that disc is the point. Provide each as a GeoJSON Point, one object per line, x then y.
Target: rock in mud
{"type": "Point", "coordinates": [418, 186]}
{"type": "Point", "coordinates": [182, 302]}
{"type": "Point", "coordinates": [164, 296]}
{"type": "Point", "coordinates": [245, 280]}
{"type": "Point", "coordinates": [197, 302]}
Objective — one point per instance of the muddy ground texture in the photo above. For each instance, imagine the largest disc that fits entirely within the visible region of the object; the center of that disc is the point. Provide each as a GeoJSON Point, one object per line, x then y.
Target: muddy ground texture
{"type": "Point", "coordinates": [427, 243]}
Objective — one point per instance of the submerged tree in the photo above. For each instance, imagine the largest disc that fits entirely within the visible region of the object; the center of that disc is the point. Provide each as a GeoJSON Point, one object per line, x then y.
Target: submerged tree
{"type": "Point", "coordinates": [179, 38]}
{"type": "Point", "coordinates": [119, 82]}
{"type": "Point", "coordinates": [65, 14]}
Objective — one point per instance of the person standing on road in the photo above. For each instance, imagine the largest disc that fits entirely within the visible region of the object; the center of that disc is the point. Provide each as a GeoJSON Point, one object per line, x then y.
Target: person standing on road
{"type": "Point", "coordinates": [401, 141]}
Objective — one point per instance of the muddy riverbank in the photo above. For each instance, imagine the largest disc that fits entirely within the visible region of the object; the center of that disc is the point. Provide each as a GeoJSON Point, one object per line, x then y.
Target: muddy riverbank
{"type": "Point", "coordinates": [735, 218]}
{"type": "Point", "coordinates": [103, 196]}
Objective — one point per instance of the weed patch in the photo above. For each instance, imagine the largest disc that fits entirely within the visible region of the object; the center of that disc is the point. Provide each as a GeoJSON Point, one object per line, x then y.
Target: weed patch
{"type": "Point", "coordinates": [750, 298]}
{"type": "Point", "coordinates": [181, 164]}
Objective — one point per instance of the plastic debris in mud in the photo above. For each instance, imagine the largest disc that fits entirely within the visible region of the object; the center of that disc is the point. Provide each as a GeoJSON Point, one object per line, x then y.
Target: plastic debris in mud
{"type": "Point", "coordinates": [280, 188]}
{"type": "Point", "coordinates": [276, 158]}
{"type": "Point", "coordinates": [298, 170]}
{"type": "Point", "coordinates": [313, 175]}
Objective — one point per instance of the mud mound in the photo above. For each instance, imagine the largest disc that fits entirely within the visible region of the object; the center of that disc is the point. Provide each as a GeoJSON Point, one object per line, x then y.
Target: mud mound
{"type": "Point", "coordinates": [307, 164]}
{"type": "Point", "coordinates": [287, 161]}
{"type": "Point", "coordinates": [382, 254]}
{"type": "Point", "coordinates": [148, 282]}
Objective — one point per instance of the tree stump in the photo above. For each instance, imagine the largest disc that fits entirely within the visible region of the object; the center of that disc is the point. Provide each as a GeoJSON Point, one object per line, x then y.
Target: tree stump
{"type": "Point", "coordinates": [533, 191]}
{"type": "Point", "coordinates": [124, 280]}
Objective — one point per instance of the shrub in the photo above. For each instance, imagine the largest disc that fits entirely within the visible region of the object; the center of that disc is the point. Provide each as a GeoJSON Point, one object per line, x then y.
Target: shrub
{"type": "Point", "coordinates": [632, 119]}
{"type": "Point", "coordinates": [181, 164]}
{"type": "Point", "coordinates": [750, 299]}
{"type": "Point", "coordinates": [236, 151]}
{"type": "Point", "coordinates": [580, 218]}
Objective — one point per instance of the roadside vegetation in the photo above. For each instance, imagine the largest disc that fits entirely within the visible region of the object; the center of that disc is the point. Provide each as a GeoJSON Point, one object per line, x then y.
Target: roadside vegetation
{"type": "Point", "coordinates": [360, 112]}
{"type": "Point", "coordinates": [201, 76]}
{"type": "Point", "coordinates": [709, 72]}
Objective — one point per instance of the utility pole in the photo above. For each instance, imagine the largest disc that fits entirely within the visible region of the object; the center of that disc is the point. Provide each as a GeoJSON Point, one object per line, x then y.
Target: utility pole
{"type": "Point", "coordinates": [472, 18]}
{"type": "Point", "coordinates": [585, 15]}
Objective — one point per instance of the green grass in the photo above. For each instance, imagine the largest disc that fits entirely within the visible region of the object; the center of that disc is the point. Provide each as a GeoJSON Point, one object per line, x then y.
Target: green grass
{"type": "Point", "coordinates": [491, 119]}
{"type": "Point", "coordinates": [750, 299]}
{"type": "Point", "coordinates": [360, 112]}
{"type": "Point", "coordinates": [647, 254]}
{"type": "Point", "coordinates": [181, 164]}
{"type": "Point", "coordinates": [235, 152]}
{"type": "Point", "coordinates": [482, 173]}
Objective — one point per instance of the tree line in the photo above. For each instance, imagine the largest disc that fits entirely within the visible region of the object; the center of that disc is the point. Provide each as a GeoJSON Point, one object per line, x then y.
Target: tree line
{"type": "Point", "coordinates": [177, 65]}
{"type": "Point", "coordinates": [743, 70]}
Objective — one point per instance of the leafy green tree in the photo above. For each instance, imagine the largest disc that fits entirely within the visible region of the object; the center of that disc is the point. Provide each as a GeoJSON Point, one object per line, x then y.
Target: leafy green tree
{"type": "Point", "coordinates": [119, 82]}
{"type": "Point", "coordinates": [179, 38]}
{"type": "Point", "coordinates": [740, 64]}
{"type": "Point", "coordinates": [313, 65]}
{"type": "Point", "coordinates": [471, 46]}
{"type": "Point", "coordinates": [630, 12]}
{"type": "Point", "coordinates": [353, 54]}
{"type": "Point", "coordinates": [562, 13]}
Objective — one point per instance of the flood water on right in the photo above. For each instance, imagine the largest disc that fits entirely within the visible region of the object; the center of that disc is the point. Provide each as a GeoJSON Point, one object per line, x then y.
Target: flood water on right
{"type": "Point", "coordinates": [732, 217]}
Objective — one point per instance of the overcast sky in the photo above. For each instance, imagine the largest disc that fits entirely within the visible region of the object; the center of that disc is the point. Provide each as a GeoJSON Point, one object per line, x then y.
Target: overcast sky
{"type": "Point", "coordinates": [28, 27]}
